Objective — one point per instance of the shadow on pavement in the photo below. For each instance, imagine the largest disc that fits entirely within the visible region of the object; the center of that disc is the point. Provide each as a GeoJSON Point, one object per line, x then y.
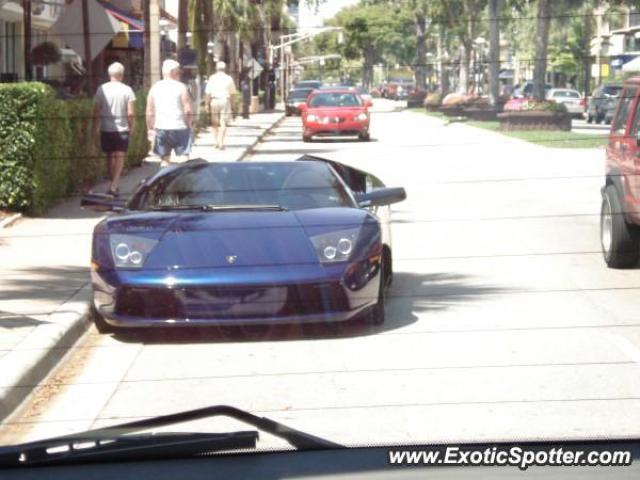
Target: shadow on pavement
{"type": "Point", "coordinates": [16, 320]}
{"type": "Point", "coordinates": [410, 293]}
{"type": "Point", "coordinates": [42, 283]}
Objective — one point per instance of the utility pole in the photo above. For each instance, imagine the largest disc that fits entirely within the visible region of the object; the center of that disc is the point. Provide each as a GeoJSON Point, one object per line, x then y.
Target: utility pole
{"type": "Point", "coordinates": [151, 42]}
{"type": "Point", "coordinates": [88, 58]}
{"type": "Point", "coordinates": [495, 7]}
{"type": "Point", "coordinates": [283, 71]}
{"type": "Point", "coordinates": [154, 40]}
{"type": "Point", "coordinates": [183, 23]}
{"type": "Point", "coordinates": [26, 21]}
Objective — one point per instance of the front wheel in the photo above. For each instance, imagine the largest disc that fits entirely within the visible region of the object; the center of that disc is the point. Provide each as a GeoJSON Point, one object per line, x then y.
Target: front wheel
{"type": "Point", "coordinates": [619, 240]}
{"type": "Point", "coordinates": [376, 315]}
{"type": "Point", "coordinates": [101, 324]}
{"type": "Point", "coordinates": [589, 118]}
{"type": "Point", "coordinates": [306, 138]}
{"type": "Point", "coordinates": [364, 137]}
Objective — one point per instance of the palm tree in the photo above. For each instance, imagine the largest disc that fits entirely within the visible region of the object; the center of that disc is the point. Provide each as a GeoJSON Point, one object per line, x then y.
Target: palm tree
{"type": "Point", "coordinates": [495, 6]}
{"type": "Point", "coordinates": [201, 25]}
{"type": "Point", "coordinates": [183, 23]}
{"type": "Point", "coordinates": [545, 8]}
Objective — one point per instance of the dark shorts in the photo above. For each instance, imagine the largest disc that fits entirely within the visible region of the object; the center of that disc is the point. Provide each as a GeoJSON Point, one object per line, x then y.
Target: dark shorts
{"type": "Point", "coordinates": [168, 140]}
{"type": "Point", "coordinates": [114, 141]}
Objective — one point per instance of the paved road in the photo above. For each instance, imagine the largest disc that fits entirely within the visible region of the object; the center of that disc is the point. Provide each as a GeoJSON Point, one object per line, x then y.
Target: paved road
{"type": "Point", "coordinates": [581, 126]}
{"type": "Point", "coordinates": [502, 324]}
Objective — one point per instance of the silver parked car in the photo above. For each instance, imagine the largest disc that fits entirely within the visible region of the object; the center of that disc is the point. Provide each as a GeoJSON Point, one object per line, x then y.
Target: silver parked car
{"type": "Point", "coordinates": [572, 99]}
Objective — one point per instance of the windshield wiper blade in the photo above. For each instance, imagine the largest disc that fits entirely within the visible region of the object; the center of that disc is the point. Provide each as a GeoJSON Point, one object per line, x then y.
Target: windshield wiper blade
{"type": "Point", "coordinates": [36, 452]}
{"type": "Point", "coordinates": [221, 208]}
{"type": "Point", "coordinates": [176, 207]}
{"type": "Point", "coordinates": [215, 208]}
{"type": "Point", "coordinates": [87, 447]}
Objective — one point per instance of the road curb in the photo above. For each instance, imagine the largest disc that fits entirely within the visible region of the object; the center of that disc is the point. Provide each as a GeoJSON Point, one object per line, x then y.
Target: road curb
{"type": "Point", "coordinates": [10, 220]}
{"type": "Point", "coordinates": [26, 365]}
{"type": "Point", "coordinates": [266, 131]}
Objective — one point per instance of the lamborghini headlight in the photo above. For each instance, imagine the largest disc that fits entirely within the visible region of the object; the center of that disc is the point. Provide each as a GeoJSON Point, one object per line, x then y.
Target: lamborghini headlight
{"type": "Point", "coordinates": [130, 251]}
{"type": "Point", "coordinates": [335, 246]}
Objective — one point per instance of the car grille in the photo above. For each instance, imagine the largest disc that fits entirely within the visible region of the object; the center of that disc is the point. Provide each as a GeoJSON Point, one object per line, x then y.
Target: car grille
{"type": "Point", "coordinates": [230, 302]}
{"type": "Point", "coordinates": [332, 120]}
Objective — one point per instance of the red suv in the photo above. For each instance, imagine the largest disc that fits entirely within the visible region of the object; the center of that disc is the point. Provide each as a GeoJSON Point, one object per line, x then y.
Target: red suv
{"type": "Point", "coordinates": [335, 112]}
{"type": "Point", "coordinates": [620, 213]}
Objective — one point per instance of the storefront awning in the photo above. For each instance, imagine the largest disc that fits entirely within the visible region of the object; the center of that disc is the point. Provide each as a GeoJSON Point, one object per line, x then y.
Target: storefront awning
{"type": "Point", "coordinates": [103, 26]}
{"type": "Point", "coordinates": [632, 66]}
{"type": "Point", "coordinates": [134, 24]}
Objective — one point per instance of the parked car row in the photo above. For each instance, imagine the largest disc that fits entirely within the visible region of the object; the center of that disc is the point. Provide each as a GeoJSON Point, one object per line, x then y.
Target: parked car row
{"type": "Point", "coordinates": [598, 108]}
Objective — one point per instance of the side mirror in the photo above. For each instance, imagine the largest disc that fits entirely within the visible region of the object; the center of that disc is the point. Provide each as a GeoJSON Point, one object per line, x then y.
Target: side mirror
{"type": "Point", "coordinates": [381, 197]}
{"type": "Point", "coordinates": [101, 202]}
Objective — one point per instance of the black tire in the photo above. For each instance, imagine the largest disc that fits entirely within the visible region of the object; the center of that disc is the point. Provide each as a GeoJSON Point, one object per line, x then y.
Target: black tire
{"type": "Point", "coordinates": [364, 137]}
{"type": "Point", "coordinates": [376, 314]}
{"type": "Point", "coordinates": [589, 118]}
{"type": "Point", "coordinates": [619, 240]}
{"type": "Point", "coordinates": [306, 138]}
{"type": "Point", "coordinates": [599, 117]}
{"type": "Point", "coordinates": [101, 324]}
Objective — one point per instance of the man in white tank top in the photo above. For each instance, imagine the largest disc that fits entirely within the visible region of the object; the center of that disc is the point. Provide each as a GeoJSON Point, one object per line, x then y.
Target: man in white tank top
{"type": "Point", "coordinates": [169, 114]}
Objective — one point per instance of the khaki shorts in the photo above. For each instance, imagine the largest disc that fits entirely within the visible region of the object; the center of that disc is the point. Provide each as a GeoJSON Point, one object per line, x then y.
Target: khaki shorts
{"type": "Point", "coordinates": [220, 111]}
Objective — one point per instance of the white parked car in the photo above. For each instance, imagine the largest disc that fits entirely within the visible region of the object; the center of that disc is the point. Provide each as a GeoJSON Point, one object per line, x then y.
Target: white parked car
{"type": "Point", "coordinates": [572, 99]}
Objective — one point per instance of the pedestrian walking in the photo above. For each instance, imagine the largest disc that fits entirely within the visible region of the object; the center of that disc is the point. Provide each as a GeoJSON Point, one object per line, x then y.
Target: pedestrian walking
{"type": "Point", "coordinates": [113, 120]}
{"type": "Point", "coordinates": [218, 94]}
{"type": "Point", "coordinates": [169, 115]}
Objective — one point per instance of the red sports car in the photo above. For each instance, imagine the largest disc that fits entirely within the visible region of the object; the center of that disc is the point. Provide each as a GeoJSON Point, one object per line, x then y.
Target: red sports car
{"type": "Point", "coordinates": [335, 112]}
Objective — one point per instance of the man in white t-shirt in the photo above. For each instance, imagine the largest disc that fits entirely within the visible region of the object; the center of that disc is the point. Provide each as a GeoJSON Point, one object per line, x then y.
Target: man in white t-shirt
{"type": "Point", "coordinates": [219, 91]}
{"type": "Point", "coordinates": [169, 114]}
{"type": "Point", "coordinates": [113, 120]}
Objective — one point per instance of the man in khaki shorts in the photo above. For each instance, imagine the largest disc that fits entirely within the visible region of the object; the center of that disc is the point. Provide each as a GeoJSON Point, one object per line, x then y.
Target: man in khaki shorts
{"type": "Point", "coordinates": [219, 92]}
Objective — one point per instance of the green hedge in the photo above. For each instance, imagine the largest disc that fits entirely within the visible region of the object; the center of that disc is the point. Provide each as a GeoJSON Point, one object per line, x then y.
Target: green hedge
{"type": "Point", "coordinates": [87, 162]}
{"type": "Point", "coordinates": [34, 147]}
{"type": "Point", "coordinates": [138, 142]}
{"type": "Point", "coordinates": [48, 149]}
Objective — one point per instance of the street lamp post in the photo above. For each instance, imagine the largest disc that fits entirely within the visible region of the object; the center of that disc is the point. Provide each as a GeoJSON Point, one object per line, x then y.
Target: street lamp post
{"type": "Point", "coordinates": [26, 20]}
{"type": "Point", "coordinates": [285, 41]}
{"type": "Point", "coordinates": [88, 57]}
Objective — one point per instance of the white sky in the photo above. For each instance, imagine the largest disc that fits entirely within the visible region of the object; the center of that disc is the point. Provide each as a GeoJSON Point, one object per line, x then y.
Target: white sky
{"type": "Point", "coordinates": [308, 15]}
{"type": "Point", "coordinates": [327, 9]}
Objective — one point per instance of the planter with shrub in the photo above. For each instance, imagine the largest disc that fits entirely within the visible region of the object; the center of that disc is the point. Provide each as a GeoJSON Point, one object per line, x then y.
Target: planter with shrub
{"type": "Point", "coordinates": [433, 101]}
{"type": "Point", "coordinates": [453, 104]}
{"type": "Point", "coordinates": [535, 115]}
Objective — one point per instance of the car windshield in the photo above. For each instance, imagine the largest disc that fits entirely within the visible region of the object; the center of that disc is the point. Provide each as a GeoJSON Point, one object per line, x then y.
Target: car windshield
{"type": "Point", "coordinates": [339, 99]}
{"type": "Point", "coordinates": [308, 84]}
{"type": "Point", "coordinates": [292, 186]}
{"type": "Point", "coordinates": [379, 222]}
{"type": "Point", "coordinates": [612, 90]}
{"type": "Point", "coordinates": [566, 94]}
{"type": "Point", "coordinates": [300, 94]}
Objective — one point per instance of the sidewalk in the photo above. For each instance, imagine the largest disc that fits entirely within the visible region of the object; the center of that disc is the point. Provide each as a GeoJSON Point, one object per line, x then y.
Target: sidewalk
{"type": "Point", "coordinates": [44, 289]}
